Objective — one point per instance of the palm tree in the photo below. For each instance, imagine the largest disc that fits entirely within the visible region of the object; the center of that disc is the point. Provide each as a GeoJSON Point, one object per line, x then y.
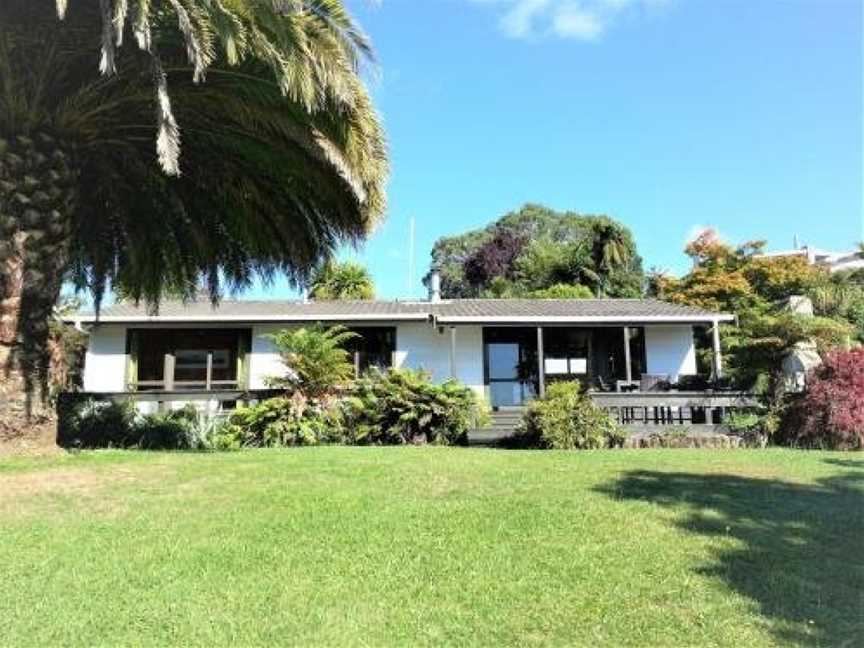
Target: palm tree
{"type": "Point", "coordinates": [283, 155]}
{"type": "Point", "coordinates": [610, 251]}
{"type": "Point", "coordinates": [346, 280]}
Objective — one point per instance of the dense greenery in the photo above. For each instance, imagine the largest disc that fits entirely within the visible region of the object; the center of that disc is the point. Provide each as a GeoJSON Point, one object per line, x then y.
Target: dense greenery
{"type": "Point", "coordinates": [279, 422]}
{"type": "Point", "coordinates": [404, 406]}
{"type": "Point", "coordinates": [346, 280]}
{"type": "Point", "coordinates": [108, 424]}
{"type": "Point", "coordinates": [534, 250]}
{"type": "Point", "coordinates": [326, 403]}
{"type": "Point", "coordinates": [756, 289]}
{"type": "Point", "coordinates": [392, 546]}
{"type": "Point", "coordinates": [566, 418]}
{"type": "Point", "coordinates": [316, 360]}
{"type": "Point", "coordinates": [283, 155]}
{"type": "Point", "coordinates": [830, 414]}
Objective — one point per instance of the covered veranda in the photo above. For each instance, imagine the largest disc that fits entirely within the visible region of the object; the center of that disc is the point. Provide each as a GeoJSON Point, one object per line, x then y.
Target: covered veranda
{"type": "Point", "coordinates": [520, 361]}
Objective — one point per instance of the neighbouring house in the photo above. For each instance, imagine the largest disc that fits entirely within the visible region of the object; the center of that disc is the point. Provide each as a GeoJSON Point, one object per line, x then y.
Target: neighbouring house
{"type": "Point", "coordinates": [507, 350]}
{"type": "Point", "coordinates": [831, 261]}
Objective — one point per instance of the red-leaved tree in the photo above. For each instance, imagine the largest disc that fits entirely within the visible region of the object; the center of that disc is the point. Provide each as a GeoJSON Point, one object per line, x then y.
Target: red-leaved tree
{"type": "Point", "coordinates": [830, 414]}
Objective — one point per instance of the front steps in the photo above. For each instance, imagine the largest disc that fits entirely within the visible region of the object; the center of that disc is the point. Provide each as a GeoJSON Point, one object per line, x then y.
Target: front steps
{"type": "Point", "coordinates": [502, 426]}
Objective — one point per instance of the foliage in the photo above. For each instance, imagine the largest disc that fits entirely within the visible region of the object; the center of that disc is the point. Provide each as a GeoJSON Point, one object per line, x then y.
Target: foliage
{"type": "Point", "coordinates": [737, 280]}
{"type": "Point", "coordinates": [335, 281]}
{"type": "Point", "coordinates": [776, 278]}
{"type": "Point", "coordinates": [535, 248]}
{"type": "Point", "coordinates": [110, 424]}
{"type": "Point", "coordinates": [842, 298]}
{"type": "Point", "coordinates": [67, 347]}
{"type": "Point", "coordinates": [281, 421]}
{"type": "Point", "coordinates": [757, 347]}
{"type": "Point", "coordinates": [830, 414]}
{"type": "Point", "coordinates": [317, 362]}
{"type": "Point", "coordinates": [283, 158]}
{"type": "Point", "coordinates": [756, 427]}
{"type": "Point", "coordinates": [403, 406]}
{"type": "Point", "coordinates": [562, 291]}
{"type": "Point", "coordinates": [494, 258]}
{"type": "Point", "coordinates": [567, 418]}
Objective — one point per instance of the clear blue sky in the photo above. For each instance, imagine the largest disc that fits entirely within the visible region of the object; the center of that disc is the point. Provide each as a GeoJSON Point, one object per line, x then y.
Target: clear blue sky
{"type": "Point", "coordinates": [665, 114]}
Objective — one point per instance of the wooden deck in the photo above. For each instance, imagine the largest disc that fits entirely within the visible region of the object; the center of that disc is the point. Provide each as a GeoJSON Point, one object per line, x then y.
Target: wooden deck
{"type": "Point", "coordinates": [643, 414]}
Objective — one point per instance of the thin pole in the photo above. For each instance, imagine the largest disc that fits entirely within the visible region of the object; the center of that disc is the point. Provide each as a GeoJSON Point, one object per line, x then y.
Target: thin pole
{"type": "Point", "coordinates": [410, 285]}
{"type": "Point", "coordinates": [628, 370]}
{"type": "Point", "coordinates": [718, 355]}
{"type": "Point", "coordinates": [541, 362]}
{"type": "Point", "coordinates": [453, 352]}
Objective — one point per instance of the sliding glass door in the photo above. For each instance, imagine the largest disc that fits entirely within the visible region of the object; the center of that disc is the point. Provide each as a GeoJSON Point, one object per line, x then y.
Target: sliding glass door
{"type": "Point", "coordinates": [511, 365]}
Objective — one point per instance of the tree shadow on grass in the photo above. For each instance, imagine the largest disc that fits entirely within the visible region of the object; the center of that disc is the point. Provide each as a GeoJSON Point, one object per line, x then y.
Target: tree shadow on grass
{"type": "Point", "coordinates": [801, 550]}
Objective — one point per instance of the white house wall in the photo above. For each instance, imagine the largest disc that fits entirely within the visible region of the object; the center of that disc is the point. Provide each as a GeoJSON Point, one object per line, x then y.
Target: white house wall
{"type": "Point", "coordinates": [420, 346]}
{"type": "Point", "coordinates": [265, 360]}
{"type": "Point", "coordinates": [670, 350]}
{"type": "Point", "coordinates": [105, 361]}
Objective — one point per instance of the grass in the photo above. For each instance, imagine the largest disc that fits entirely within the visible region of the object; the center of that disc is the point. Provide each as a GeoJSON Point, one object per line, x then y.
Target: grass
{"type": "Point", "coordinates": [396, 546]}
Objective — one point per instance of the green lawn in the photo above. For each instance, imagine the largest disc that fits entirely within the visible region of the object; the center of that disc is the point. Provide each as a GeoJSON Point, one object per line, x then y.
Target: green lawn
{"type": "Point", "coordinates": [396, 546]}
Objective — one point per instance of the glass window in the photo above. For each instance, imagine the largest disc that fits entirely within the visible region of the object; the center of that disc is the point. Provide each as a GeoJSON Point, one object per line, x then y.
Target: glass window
{"type": "Point", "coordinates": [187, 358]}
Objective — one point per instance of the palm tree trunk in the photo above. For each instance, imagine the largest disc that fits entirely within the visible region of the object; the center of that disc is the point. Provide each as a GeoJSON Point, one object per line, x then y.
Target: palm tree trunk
{"type": "Point", "coordinates": [36, 202]}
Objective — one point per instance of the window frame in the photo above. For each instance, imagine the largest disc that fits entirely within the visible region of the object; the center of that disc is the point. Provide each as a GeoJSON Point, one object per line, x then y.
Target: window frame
{"type": "Point", "coordinates": [240, 353]}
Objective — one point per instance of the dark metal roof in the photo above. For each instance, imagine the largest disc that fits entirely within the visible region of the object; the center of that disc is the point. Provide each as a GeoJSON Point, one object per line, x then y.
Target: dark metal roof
{"type": "Point", "coordinates": [445, 311]}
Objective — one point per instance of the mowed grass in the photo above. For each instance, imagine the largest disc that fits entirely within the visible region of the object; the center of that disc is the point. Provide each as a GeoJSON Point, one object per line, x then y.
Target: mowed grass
{"type": "Point", "coordinates": [408, 546]}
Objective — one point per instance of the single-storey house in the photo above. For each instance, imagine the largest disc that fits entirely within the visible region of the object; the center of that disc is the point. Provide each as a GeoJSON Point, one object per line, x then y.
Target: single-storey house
{"type": "Point", "coordinates": [505, 349]}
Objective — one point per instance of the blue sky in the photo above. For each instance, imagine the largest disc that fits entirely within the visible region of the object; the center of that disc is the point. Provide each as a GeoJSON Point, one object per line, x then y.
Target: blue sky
{"type": "Point", "coordinates": [665, 114]}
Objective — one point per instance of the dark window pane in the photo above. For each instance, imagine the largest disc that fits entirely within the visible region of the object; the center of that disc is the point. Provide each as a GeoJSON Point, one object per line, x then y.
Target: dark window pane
{"type": "Point", "coordinates": [190, 348]}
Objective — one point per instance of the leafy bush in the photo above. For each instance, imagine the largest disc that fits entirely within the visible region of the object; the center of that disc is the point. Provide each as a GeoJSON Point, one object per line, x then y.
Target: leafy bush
{"type": "Point", "coordinates": [98, 424]}
{"type": "Point", "coordinates": [567, 419]}
{"type": "Point", "coordinates": [108, 424]}
{"type": "Point", "coordinates": [830, 413]}
{"type": "Point", "coordinates": [318, 364]}
{"type": "Point", "coordinates": [403, 406]}
{"type": "Point", "coordinates": [280, 422]}
{"type": "Point", "coordinates": [755, 428]}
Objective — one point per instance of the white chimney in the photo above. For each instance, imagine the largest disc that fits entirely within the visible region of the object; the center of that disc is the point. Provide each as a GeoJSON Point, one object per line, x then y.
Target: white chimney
{"type": "Point", "coordinates": [434, 286]}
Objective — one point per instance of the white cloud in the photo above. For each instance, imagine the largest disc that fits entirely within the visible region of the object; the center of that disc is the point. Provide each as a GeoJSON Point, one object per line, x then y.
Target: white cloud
{"type": "Point", "coordinates": [585, 20]}
{"type": "Point", "coordinates": [572, 21]}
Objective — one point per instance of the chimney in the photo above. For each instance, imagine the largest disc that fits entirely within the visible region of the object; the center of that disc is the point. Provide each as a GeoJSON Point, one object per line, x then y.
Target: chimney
{"type": "Point", "coordinates": [434, 286]}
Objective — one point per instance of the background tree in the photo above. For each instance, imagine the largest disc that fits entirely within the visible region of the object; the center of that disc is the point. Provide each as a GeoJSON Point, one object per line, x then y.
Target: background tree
{"type": "Point", "coordinates": [534, 248]}
{"type": "Point", "coordinates": [283, 158]}
{"type": "Point", "coordinates": [348, 280]}
{"type": "Point", "coordinates": [755, 288]}
{"type": "Point", "coordinates": [493, 259]}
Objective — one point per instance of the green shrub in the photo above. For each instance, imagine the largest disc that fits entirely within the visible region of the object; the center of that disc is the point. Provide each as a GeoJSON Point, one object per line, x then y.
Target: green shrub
{"type": "Point", "coordinates": [754, 428]}
{"type": "Point", "coordinates": [182, 429]}
{"type": "Point", "coordinates": [281, 421]}
{"type": "Point", "coordinates": [317, 362]}
{"type": "Point", "coordinates": [108, 424]}
{"type": "Point", "coordinates": [403, 406]}
{"type": "Point", "coordinates": [567, 419]}
{"type": "Point", "coordinates": [98, 424]}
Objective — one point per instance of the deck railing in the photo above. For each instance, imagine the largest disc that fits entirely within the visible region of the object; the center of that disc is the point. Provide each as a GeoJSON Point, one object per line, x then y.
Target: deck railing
{"type": "Point", "coordinates": [699, 411]}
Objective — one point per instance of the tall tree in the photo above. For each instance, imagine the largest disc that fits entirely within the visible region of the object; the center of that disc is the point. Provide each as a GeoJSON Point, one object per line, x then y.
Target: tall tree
{"type": "Point", "coordinates": [283, 155]}
{"type": "Point", "coordinates": [347, 280]}
{"type": "Point", "coordinates": [535, 248]}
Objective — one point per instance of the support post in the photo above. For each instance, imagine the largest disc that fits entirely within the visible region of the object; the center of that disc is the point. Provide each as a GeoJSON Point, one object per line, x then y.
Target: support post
{"type": "Point", "coordinates": [168, 372]}
{"type": "Point", "coordinates": [356, 364]}
{"type": "Point", "coordinates": [718, 355]}
{"type": "Point", "coordinates": [628, 369]}
{"type": "Point", "coordinates": [541, 363]}
{"type": "Point", "coordinates": [453, 352]}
